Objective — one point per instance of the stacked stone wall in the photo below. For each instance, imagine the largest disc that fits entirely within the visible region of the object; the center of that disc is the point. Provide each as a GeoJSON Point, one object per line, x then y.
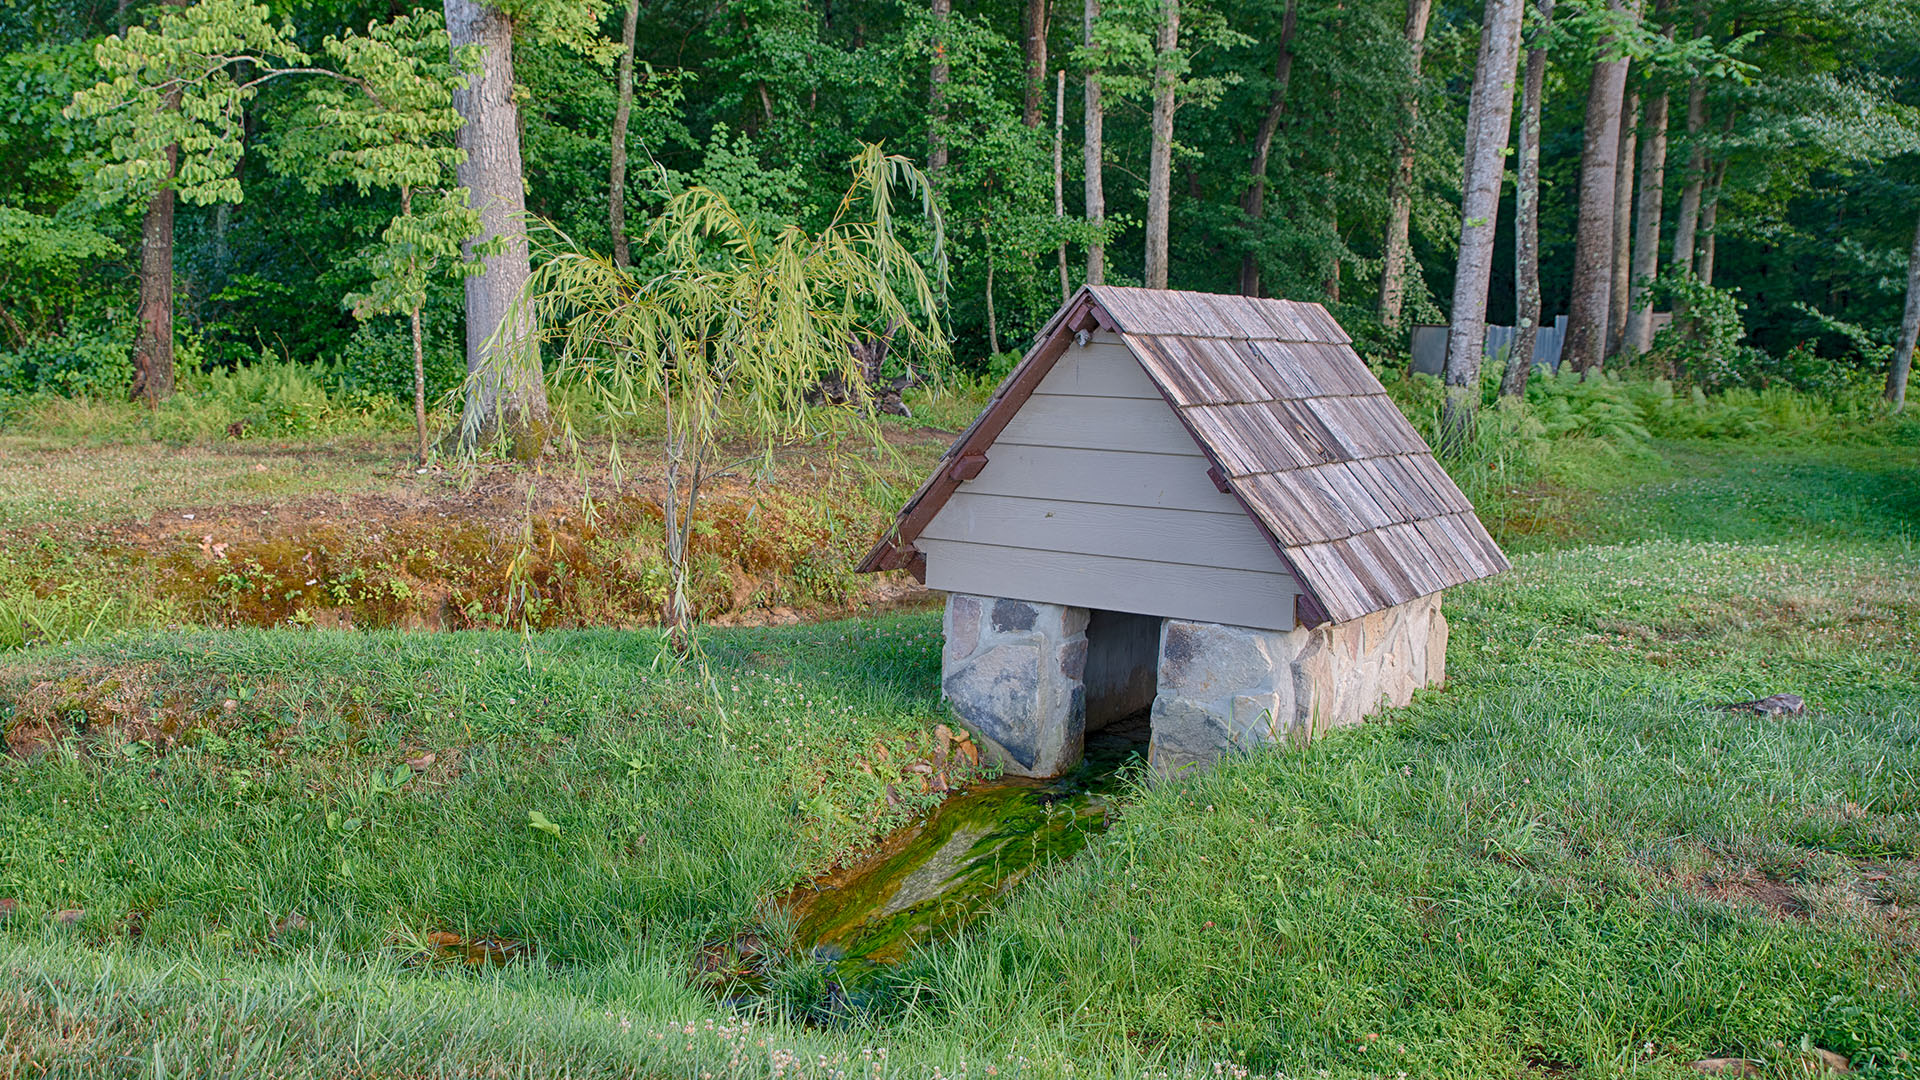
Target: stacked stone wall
{"type": "Point", "coordinates": [1014, 672]}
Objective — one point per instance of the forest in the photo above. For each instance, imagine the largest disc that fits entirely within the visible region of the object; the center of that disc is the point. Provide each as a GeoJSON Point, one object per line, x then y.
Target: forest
{"type": "Point", "coordinates": [1753, 162]}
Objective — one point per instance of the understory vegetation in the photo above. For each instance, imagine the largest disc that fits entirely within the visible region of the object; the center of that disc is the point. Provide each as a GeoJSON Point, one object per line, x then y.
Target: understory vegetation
{"type": "Point", "coordinates": [481, 853]}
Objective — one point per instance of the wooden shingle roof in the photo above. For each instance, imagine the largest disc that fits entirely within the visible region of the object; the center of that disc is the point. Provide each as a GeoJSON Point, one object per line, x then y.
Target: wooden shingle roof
{"type": "Point", "coordinates": [1297, 429]}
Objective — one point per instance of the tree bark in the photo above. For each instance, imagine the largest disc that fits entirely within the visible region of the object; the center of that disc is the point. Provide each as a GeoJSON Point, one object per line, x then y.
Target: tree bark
{"type": "Point", "coordinates": [1093, 150]}
{"type": "Point", "coordinates": [937, 93]}
{"type": "Point", "coordinates": [622, 110]}
{"type": "Point", "coordinates": [1255, 200]}
{"type": "Point", "coordinates": [1709, 219]}
{"type": "Point", "coordinates": [506, 394]}
{"type": "Point", "coordinates": [1688, 221]}
{"type": "Point", "coordinates": [1489, 122]}
{"type": "Point", "coordinates": [153, 348]}
{"type": "Point", "coordinates": [1593, 236]}
{"type": "Point", "coordinates": [1166, 41]}
{"type": "Point", "coordinates": [1909, 331]}
{"type": "Point", "coordinates": [1646, 238]}
{"type": "Point", "coordinates": [1034, 46]}
{"type": "Point", "coordinates": [1060, 177]}
{"type": "Point", "coordinates": [1526, 234]}
{"type": "Point", "coordinates": [1393, 268]}
{"type": "Point", "coordinates": [1623, 225]}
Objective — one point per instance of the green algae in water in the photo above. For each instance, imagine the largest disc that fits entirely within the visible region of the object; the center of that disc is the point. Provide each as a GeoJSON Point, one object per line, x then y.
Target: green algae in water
{"type": "Point", "coordinates": [934, 877]}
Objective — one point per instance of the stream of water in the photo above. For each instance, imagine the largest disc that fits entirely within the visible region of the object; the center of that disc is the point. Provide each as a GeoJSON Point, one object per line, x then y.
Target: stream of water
{"type": "Point", "coordinates": [930, 878]}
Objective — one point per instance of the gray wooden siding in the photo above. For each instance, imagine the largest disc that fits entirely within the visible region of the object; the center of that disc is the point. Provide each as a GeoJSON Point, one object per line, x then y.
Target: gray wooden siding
{"type": "Point", "coordinates": [1095, 495]}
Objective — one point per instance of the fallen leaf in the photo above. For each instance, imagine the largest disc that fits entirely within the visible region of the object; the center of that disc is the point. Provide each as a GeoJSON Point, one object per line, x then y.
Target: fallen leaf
{"type": "Point", "coordinates": [538, 820]}
{"type": "Point", "coordinates": [291, 924]}
{"type": "Point", "coordinates": [8, 905]}
{"type": "Point", "coordinates": [443, 939]}
{"type": "Point", "coordinates": [70, 917]}
{"type": "Point", "coordinates": [421, 762]}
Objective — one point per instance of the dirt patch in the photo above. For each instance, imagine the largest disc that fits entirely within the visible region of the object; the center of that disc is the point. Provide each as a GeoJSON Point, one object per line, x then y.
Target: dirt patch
{"type": "Point", "coordinates": [126, 700]}
{"type": "Point", "coordinates": [1780, 899]}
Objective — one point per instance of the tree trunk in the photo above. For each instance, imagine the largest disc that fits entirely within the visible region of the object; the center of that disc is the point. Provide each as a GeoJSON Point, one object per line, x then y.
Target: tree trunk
{"type": "Point", "coordinates": [1093, 150]}
{"type": "Point", "coordinates": [153, 348]}
{"type": "Point", "coordinates": [1166, 41]}
{"type": "Point", "coordinates": [1035, 48]}
{"type": "Point", "coordinates": [506, 396]}
{"type": "Point", "coordinates": [1909, 331]}
{"type": "Point", "coordinates": [1393, 265]}
{"type": "Point", "coordinates": [1623, 225]}
{"type": "Point", "coordinates": [1060, 177]}
{"type": "Point", "coordinates": [1688, 221]}
{"type": "Point", "coordinates": [1255, 201]}
{"type": "Point", "coordinates": [1646, 238]}
{"type": "Point", "coordinates": [1593, 236]}
{"type": "Point", "coordinates": [1526, 234]}
{"type": "Point", "coordinates": [1489, 122]}
{"type": "Point", "coordinates": [617, 173]}
{"type": "Point", "coordinates": [1709, 218]}
{"type": "Point", "coordinates": [937, 93]}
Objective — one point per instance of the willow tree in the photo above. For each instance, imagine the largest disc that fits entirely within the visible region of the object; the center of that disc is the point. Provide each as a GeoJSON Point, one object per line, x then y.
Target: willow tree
{"type": "Point", "coordinates": [731, 327]}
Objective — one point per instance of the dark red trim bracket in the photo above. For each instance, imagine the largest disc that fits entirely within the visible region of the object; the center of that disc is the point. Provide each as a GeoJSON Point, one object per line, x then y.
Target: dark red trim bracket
{"type": "Point", "coordinates": [967, 466]}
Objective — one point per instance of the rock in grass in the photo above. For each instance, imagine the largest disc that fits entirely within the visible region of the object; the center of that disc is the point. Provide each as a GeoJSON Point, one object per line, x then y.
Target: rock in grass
{"type": "Point", "coordinates": [1725, 1066]}
{"type": "Point", "coordinates": [1832, 1061]}
{"type": "Point", "coordinates": [1771, 705]}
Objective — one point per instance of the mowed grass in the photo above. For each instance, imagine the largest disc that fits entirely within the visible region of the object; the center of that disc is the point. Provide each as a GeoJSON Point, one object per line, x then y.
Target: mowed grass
{"type": "Point", "coordinates": [1570, 862]}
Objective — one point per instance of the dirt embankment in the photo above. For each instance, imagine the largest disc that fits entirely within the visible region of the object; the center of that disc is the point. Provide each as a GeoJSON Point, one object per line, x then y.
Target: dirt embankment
{"type": "Point", "coordinates": [500, 545]}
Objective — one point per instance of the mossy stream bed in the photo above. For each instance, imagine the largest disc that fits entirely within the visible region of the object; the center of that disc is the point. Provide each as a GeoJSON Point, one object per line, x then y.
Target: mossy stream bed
{"type": "Point", "coordinates": [929, 879]}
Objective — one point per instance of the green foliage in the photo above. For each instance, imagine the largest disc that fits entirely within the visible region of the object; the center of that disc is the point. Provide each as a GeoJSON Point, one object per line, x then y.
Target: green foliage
{"type": "Point", "coordinates": [173, 103]}
{"type": "Point", "coordinates": [92, 362]}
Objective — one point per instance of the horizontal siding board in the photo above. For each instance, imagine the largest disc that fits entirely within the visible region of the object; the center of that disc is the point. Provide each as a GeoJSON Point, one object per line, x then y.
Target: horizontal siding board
{"type": "Point", "coordinates": [1207, 594]}
{"type": "Point", "coordinates": [1105, 476]}
{"type": "Point", "coordinates": [1100, 369]}
{"type": "Point", "coordinates": [1091, 423]}
{"type": "Point", "coordinates": [1226, 540]}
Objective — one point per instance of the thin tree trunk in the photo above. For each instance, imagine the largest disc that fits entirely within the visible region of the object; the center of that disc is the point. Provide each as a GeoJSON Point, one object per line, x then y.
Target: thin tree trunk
{"type": "Point", "coordinates": [153, 348]}
{"type": "Point", "coordinates": [1623, 225]}
{"type": "Point", "coordinates": [1160, 160]}
{"type": "Point", "coordinates": [1687, 223]}
{"type": "Point", "coordinates": [1255, 202]}
{"type": "Point", "coordinates": [506, 394]}
{"type": "Point", "coordinates": [1909, 331]}
{"type": "Point", "coordinates": [1709, 218]}
{"type": "Point", "coordinates": [937, 93]}
{"type": "Point", "coordinates": [1646, 239]}
{"type": "Point", "coordinates": [419, 386]}
{"type": "Point", "coordinates": [1593, 236]}
{"type": "Point", "coordinates": [1526, 205]}
{"type": "Point", "coordinates": [1035, 49]}
{"type": "Point", "coordinates": [622, 110]}
{"type": "Point", "coordinates": [1393, 264]}
{"type": "Point", "coordinates": [1093, 151]}
{"type": "Point", "coordinates": [1060, 177]}
{"type": "Point", "coordinates": [1489, 122]}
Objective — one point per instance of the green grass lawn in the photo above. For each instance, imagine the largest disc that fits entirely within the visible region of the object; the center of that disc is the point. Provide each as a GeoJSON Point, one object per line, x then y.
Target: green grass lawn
{"type": "Point", "coordinates": [1569, 862]}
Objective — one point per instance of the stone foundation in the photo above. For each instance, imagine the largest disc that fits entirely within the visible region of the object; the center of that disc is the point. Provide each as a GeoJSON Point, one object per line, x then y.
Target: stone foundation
{"type": "Point", "coordinates": [1026, 681]}
{"type": "Point", "coordinates": [1226, 688]}
{"type": "Point", "coordinates": [1014, 672]}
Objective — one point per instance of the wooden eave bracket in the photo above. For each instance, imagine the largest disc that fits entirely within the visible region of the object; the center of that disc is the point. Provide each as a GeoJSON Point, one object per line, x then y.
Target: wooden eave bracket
{"type": "Point", "coordinates": [967, 466]}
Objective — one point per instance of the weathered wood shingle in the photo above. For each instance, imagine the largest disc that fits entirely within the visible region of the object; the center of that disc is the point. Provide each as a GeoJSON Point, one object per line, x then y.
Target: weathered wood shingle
{"type": "Point", "coordinates": [1299, 432]}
